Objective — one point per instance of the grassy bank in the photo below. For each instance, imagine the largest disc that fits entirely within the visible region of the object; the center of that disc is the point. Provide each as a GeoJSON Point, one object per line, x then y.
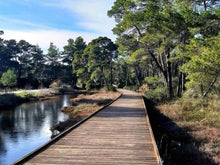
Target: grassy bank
{"type": "Point", "coordinates": [191, 129]}
{"type": "Point", "coordinates": [84, 105]}
{"type": "Point", "coordinates": [13, 99]}
{"type": "Point", "coordinates": [201, 120]}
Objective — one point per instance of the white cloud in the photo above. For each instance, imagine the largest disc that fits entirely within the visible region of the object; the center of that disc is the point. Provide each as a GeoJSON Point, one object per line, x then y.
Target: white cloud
{"type": "Point", "coordinates": [89, 9]}
{"type": "Point", "coordinates": [92, 13]}
{"type": "Point", "coordinates": [95, 10]}
{"type": "Point", "coordinates": [12, 23]}
{"type": "Point", "coordinates": [44, 37]}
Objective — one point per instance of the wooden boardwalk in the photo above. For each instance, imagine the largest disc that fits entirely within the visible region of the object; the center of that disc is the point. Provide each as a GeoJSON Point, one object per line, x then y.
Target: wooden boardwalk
{"type": "Point", "coordinates": [119, 134]}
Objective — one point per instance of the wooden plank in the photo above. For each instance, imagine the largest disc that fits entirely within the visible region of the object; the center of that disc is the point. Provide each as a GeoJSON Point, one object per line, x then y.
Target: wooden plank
{"type": "Point", "coordinates": [119, 134]}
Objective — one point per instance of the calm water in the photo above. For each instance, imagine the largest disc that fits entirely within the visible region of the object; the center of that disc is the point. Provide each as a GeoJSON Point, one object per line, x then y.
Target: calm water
{"type": "Point", "coordinates": [26, 127]}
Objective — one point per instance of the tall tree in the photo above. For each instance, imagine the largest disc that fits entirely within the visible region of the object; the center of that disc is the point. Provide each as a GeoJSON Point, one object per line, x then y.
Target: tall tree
{"type": "Point", "coordinates": [24, 58]}
{"type": "Point", "coordinates": [37, 67]}
{"type": "Point", "coordinates": [69, 55]}
{"type": "Point", "coordinates": [80, 68]}
{"type": "Point", "coordinates": [8, 52]}
{"type": "Point", "coordinates": [102, 53]}
{"type": "Point", "coordinates": [53, 61]}
{"type": "Point", "coordinates": [94, 66]}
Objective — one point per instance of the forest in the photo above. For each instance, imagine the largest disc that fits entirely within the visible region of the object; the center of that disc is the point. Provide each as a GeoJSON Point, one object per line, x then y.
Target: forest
{"type": "Point", "coordinates": [169, 45]}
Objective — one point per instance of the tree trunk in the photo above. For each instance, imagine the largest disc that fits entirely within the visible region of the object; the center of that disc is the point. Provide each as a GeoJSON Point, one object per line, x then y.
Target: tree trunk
{"type": "Point", "coordinates": [210, 87]}
{"type": "Point", "coordinates": [205, 5]}
{"type": "Point", "coordinates": [166, 74]}
{"type": "Point", "coordinates": [179, 87]}
{"type": "Point", "coordinates": [169, 73]}
{"type": "Point", "coordinates": [183, 82]}
{"type": "Point", "coordinates": [137, 76]}
{"type": "Point", "coordinates": [157, 63]}
{"type": "Point", "coordinates": [19, 76]}
{"type": "Point", "coordinates": [103, 81]}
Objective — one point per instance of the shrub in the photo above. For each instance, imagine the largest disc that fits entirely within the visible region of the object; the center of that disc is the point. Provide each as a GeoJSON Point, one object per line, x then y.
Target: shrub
{"type": "Point", "coordinates": [109, 88]}
{"type": "Point", "coordinates": [9, 78]}
{"type": "Point", "coordinates": [198, 109]}
{"type": "Point", "coordinates": [157, 95]}
{"type": "Point", "coordinates": [142, 88]}
{"type": "Point", "coordinates": [56, 83]}
{"type": "Point", "coordinates": [154, 82]}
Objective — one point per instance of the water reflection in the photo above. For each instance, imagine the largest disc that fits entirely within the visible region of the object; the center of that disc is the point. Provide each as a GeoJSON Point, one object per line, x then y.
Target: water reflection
{"type": "Point", "coordinates": [26, 127]}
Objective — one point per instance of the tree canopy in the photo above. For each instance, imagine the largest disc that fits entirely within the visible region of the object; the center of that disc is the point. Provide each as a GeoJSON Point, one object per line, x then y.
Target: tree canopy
{"type": "Point", "coordinates": [94, 65]}
{"type": "Point", "coordinates": [153, 34]}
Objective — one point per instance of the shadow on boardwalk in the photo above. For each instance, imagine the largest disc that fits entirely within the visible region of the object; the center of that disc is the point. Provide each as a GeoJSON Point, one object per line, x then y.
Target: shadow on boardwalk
{"type": "Point", "coordinates": [117, 111]}
{"type": "Point", "coordinates": [130, 97]}
{"type": "Point", "coordinates": [176, 147]}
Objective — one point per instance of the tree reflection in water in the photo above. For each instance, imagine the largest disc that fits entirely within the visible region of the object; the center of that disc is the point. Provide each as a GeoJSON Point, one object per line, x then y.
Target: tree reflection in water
{"type": "Point", "coordinates": [26, 127]}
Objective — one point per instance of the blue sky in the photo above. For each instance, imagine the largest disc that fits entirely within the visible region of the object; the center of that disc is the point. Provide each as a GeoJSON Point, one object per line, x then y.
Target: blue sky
{"type": "Point", "coordinates": [44, 21]}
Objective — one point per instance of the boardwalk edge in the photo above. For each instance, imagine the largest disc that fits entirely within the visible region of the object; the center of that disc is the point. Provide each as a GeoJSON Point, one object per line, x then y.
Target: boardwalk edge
{"type": "Point", "coordinates": [151, 133]}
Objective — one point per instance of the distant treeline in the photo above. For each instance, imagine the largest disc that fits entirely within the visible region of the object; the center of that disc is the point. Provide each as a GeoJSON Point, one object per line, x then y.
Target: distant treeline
{"type": "Point", "coordinates": [24, 65]}
{"type": "Point", "coordinates": [31, 66]}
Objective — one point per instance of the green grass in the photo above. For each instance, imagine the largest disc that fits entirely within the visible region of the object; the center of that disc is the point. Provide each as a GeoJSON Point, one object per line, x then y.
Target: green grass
{"type": "Point", "coordinates": [203, 111]}
{"type": "Point", "coordinates": [79, 108]}
{"type": "Point", "coordinates": [206, 113]}
{"type": "Point", "coordinates": [9, 100]}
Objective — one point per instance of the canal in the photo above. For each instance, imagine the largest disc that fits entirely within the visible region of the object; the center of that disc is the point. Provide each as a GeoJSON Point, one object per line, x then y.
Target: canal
{"type": "Point", "coordinates": [28, 126]}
